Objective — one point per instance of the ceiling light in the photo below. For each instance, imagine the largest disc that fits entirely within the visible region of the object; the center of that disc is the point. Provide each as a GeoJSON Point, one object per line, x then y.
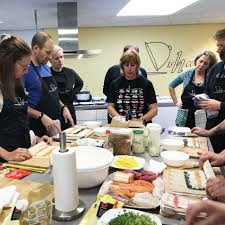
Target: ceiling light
{"type": "Point", "coordinates": [1, 21]}
{"type": "Point", "coordinates": [153, 7]}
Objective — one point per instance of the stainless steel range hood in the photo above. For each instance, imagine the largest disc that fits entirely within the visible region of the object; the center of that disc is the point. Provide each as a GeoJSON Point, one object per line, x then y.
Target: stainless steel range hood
{"type": "Point", "coordinates": [68, 31]}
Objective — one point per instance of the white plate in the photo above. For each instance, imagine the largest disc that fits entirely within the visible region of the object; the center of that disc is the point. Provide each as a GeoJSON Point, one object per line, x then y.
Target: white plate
{"type": "Point", "coordinates": [112, 213]}
{"type": "Point", "coordinates": [140, 161]}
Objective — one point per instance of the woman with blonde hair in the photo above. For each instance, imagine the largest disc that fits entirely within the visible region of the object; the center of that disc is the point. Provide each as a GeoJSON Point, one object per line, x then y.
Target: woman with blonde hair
{"type": "Point", "coordinates": [131, 93]}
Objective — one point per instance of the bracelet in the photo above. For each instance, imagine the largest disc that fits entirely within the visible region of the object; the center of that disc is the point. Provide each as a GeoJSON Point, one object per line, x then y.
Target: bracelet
{"type": "Point", "coordinates": [63, 108]}
{"type": "Point", "coordinates": [40, 116]}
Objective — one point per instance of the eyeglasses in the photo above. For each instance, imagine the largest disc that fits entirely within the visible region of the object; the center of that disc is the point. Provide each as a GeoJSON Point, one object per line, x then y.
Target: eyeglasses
{"type": "Point", "coordinates": [24, 66]}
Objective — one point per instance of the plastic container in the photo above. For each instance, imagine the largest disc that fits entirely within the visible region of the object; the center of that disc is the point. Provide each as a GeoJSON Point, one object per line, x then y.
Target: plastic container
{"type": "Point", "coordinates": [138, 144]}
{"type": "Point", "coordinates": [120, 140]}
{"type": "Point", "coordinates": [154, 131]}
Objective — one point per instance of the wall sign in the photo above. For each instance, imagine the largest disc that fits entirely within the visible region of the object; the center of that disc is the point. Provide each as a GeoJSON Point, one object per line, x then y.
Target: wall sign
{"type": "Point", "coordinates": [162, 61]}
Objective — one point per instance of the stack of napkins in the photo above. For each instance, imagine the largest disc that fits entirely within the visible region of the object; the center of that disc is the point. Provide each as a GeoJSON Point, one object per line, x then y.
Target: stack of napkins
{"type": "Point", "coordinates": [155, 166]}
{"type": "Point", "coordinates": [8, 197]}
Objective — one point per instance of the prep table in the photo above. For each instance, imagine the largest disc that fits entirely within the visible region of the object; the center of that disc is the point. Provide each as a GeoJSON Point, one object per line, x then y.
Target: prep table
{"type": "Point", "coordinates": [88, 196]}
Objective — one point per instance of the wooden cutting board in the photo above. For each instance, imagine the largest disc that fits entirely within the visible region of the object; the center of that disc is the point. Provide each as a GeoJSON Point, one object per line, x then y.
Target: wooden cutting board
{"type": "Point", "coordinates": [23, 187]}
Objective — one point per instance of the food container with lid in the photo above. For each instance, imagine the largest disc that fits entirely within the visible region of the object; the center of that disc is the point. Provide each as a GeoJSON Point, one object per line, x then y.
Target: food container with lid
{"type": "Point", "coordinates": [138, 143]}
{"type": "Point", "coordinates": [120, 139]}
{"type": "Point", "coordinates": [154, 131]}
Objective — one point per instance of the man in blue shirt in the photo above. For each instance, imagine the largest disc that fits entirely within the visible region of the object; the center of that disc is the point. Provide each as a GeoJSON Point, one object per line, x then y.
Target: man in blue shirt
{"type": "Point", "coordinates": [44, 106]}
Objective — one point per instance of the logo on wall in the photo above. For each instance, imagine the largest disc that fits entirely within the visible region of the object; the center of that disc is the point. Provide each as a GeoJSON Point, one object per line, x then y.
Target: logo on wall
{"type": "Point", "coordinates": [160, 57]}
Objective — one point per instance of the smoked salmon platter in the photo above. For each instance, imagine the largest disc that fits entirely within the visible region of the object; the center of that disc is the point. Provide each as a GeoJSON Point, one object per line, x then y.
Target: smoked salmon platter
{"type": "Point", "coordinates": [141, 190]}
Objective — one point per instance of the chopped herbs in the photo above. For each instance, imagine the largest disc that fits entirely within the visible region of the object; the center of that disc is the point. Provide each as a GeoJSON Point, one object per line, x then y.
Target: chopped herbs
{"type": "Point", "coordinates": [130, 218]}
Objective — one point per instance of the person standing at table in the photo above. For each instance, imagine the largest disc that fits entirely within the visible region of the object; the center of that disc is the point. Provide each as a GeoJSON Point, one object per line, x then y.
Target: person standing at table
{"type": "Point", "coordinates": [114, 71]}
{"type": "Point", "coordinates": [42, 93]}
{"type": "Point", "coordinates": [15, 56]}
{"type": "Point", "coordinates": [215, 88]}
{"type": "Point", "coordinates": [132, 93]}
{"type": "Point", "coordinates": [193, 80]}
{"type": "Point", "coordinates": [68, 81]}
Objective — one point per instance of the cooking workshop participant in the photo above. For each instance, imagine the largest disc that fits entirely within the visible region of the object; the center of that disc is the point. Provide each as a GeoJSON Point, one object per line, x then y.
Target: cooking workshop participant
{"type": "Point", "coordinates": [215, 213]}
{"type": "Point", "coordinates": [193, 80]}
{"type": "Point", "coordinates": [15, 56]}
{"type": "Point", "coordinates": [132, 93]}
{"type": "Point", "coordinates": [68, 81]}
{"type": "Point", "coordinates": [42, 92]}
{"type": "Point", "coordinates": [215, 88]}
{"type": "Point", "coordinates": [114, 71]}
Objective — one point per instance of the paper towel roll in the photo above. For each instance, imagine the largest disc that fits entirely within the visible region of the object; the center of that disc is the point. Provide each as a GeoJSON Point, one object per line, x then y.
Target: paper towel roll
{"type": "Point", "coordinates": [65, 180]}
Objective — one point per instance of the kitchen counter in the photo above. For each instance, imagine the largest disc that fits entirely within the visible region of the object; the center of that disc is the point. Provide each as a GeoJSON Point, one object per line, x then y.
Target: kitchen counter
{"type": "Point", "coordinates": [104, 106]}
{"type": "Point", "coordinates": [88, 196]}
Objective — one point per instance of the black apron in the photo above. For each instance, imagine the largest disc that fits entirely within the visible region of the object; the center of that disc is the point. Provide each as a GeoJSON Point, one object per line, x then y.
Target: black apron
{"type": "Point", "coordinates": [14, 129]}
{"type": "Point", "coordinates": [218, 141]}
{"type": "Point", "coordinates": [48, 104]}
{"type": "Point", "coordinates": [187, 101]}
{"type": "Point", "coordinates": [66, 96]}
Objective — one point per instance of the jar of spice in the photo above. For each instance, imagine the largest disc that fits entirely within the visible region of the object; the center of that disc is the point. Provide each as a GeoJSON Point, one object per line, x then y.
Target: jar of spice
{"type": "Point", "coordinates": [138, 141]}
{"type": "Point", "coordinates": [120, 139]}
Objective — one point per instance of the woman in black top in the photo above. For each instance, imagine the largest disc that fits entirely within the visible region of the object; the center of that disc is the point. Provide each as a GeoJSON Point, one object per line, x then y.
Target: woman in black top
{"type": "Point", "coordinates": [68, 81]}
{"type": "Point", "coordinates": [15, 56]}
{"type": "Point", "coordinates": [131, 93]}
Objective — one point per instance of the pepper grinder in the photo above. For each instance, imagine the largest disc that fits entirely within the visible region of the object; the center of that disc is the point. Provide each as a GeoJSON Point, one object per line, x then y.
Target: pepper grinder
{"type": "Point", "coordinates": [67, 205]}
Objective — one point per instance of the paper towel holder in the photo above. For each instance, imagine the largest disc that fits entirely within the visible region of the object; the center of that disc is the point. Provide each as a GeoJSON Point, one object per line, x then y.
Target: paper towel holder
{"type": "Point", "coordinates": [68, 216]}
{"type": "Point", "coordinates": [79, 211]}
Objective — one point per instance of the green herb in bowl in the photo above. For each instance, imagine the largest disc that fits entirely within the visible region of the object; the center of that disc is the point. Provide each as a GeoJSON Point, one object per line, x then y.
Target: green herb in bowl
{"type": "Point", "coordinates": [131, 218]}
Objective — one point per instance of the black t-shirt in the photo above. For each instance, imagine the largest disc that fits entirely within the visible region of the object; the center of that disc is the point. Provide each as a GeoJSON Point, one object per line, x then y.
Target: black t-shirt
{"type": "Point", "coordinates": [132, 96]}
{"type": "Point", "coordinates": [69, 83]}
{"type": "Point", "coordinates": [215, 86]}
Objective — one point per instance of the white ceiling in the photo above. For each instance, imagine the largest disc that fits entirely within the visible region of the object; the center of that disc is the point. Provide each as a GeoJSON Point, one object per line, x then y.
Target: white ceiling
{"type": "Point", "coordinates": [19, 14]}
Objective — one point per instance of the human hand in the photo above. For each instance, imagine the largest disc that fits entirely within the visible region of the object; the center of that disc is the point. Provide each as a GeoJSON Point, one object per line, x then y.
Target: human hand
{"type": "Point", "coordinates": [44, 138]}
{"type": "Point", "coordinates": [50, 125]}
{"type": "Point", "coordinates": [215, 187]}
{"type": "Point", "coordinates": [18, 155]}
{"type": "Point", "coordinates": [200, 131]}
{"type": "Point", "coordinates": [179, 104]}
{"type": "Point", "coordinates": [209, 104]}
{"type": "Point", "coordinates": [214, 159]}
{"type": "Point", "coordinates": [215, 213]}
{"type": "Point", "coordinates": [67, 116]}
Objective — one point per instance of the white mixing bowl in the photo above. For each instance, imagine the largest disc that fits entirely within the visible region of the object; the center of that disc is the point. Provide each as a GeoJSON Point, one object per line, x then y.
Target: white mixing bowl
{"type": "Point", "coordinates": [174, 158]}
{"type": "Point", "coordinates": [92, 165]}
